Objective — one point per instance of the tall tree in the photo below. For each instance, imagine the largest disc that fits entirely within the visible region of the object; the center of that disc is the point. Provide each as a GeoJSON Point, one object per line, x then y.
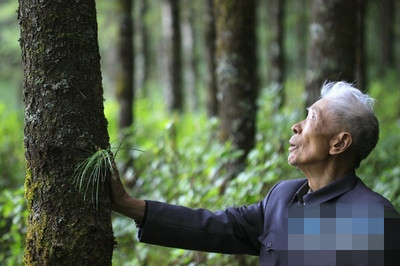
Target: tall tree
{"type": "Point", "coordinates": [64, 123]}
{"type": "Point", "coordinates": [276, 52]}
{"type": "Point", "coordinates": [237, 73]}
{"type": "Point", "coordinates": [189, 42]}
{"type": "Point", "coordinates": [125, 80]}
{"type": "Point", "coordinates": [361, 73]}
{"type": "Point", "coordinates": [387, 33]}
{"type": "Point", "coordinates": [144, 46]}
{"type": "Point", "coordinates": [125, 74]}
{"type": "Point", "coordinates": [300, 8]}
{"type": "Point", "coordinates": [173, 54]}
{"type": "Point", "coordinates": [210, 36]}
{"type": "Point", "coordinates": [332, 46]}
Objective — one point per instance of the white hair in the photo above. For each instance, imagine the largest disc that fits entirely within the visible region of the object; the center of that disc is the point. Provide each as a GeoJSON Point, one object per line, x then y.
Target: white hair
{"type": "Point", "coordinates": [353, 112]}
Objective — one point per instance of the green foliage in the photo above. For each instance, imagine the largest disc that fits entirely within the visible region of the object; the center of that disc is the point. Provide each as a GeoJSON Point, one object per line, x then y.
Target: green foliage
{"type": "Point", "coordinates": [12, 208]}
{"type": "Point", "coordinates": [182, 164]}
{"type": "Point", "coordinates": [11, 153]}
{"type": "Point", "coordinates": [9, 34]}
{"type": "Point", "coordinates": [183, 158]}
{"type": "Point", "coordinates": [381, 169]}
{"type": "Point", "coordinates": [12, 226]}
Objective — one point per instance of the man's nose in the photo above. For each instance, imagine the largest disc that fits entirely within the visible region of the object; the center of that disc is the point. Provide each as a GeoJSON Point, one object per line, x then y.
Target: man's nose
{"type": "Point", "coordinates": [296, 128]}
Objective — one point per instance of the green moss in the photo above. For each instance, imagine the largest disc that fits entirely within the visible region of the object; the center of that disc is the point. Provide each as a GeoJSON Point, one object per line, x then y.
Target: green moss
{"type": "Point", "coordinates": [30, 188]}
{"type": "Point", "coordinates": [37, 252]}
{"type": "Point", "coordinates": [36, 225]}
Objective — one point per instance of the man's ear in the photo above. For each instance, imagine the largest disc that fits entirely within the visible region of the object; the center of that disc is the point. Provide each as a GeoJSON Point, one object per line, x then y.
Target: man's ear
{"type": "Point", "coordinates": [340, 143]}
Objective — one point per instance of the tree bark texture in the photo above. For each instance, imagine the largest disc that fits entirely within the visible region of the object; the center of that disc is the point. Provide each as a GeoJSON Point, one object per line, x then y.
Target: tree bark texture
{"type": "Point", "coordinates": [64, 124]}
{"type": "Point", "coordinates": [125, 75]}
{"type": "Point", "coordinates": [211, 79]}
{"type": "Point", "coordinates": [276, 50]}
{"type": "Point", "coordinates": [332, 46]}
{"type": "Point", "coordinates": [237, 71]}
{"type": "Point", "coordinates": [173, 55]}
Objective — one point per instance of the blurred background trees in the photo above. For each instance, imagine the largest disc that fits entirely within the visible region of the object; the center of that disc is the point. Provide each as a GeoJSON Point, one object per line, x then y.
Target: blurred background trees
{"type": "Point", "coordinates": [194, 67]}
{"type": "Point", "coordinates": [332, 44]}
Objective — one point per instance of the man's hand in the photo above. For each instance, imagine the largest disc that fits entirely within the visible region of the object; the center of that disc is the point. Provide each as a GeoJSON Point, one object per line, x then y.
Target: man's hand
{"type": "Point", "coordinates": [122, 202]}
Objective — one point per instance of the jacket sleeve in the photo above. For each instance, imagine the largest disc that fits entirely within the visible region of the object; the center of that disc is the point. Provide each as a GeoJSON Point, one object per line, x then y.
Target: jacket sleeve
{"type": "Point", "coordinates": [232, 231]}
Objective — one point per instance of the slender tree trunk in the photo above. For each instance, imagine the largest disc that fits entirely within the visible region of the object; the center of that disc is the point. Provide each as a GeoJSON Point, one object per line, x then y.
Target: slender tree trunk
{"type": "Point", "coordinates": [190, 60]}
{"type": "Point", "coordinates": [125, 82]}
{"type": "Point", "coordinates": [332, 47]}
{"type": "Point", "coordinates": [144, 47]}
{"type": "Point", "coordinates": [64, 123]}
{"type": "Point", "coordinates": [210, 37]}
{"type": "Point", "coordinates": [237, 74]}
{"type": "Point", "coordinates": [386, 22]}
{"type": "Point", "coordinates": [125, 75]}
{"type": "Point", "coordinates": [361, 73]}
{"type": "Point", "coordinates": [301, 7]}
{"type": "Point", "coordinates": [173, 55]}
{"type": "Point", "coordinates": [194, 59]}
{"type": "Point", "coordinates": [276, 51]}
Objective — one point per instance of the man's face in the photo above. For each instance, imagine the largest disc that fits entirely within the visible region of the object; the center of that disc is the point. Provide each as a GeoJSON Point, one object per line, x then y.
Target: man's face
{"type": "Point", "coordinates": [310, 144]}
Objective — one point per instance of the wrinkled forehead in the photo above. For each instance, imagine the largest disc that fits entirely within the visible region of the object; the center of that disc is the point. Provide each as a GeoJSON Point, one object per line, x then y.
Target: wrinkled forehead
{"type": "Point", "coordinates": [321, 106]}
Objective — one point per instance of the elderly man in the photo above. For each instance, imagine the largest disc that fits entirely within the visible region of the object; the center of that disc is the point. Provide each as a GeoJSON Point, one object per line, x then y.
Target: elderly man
{"type": "Point", "coordinates": [328, 218]}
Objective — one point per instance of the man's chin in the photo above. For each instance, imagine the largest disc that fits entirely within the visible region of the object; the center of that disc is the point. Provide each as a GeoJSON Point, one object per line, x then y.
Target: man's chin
{"type": "Point", "coordinates": [291, 161]}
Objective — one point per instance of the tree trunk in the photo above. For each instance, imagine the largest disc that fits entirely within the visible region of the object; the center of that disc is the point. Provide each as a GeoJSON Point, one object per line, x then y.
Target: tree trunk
{"type": "Point", "coordinates": [125, 82]}
{"type": "Point", "coordinates": [301, 25]}
{"type": "Point", "coordinates": [386, 23]}
{"type": "Point", "coordinates": [144, 47]}
{"type": "Point", "coordinates": [276, 51]}
{"type": "Point", "coordinates": [210, 36]}
{"type": "Point", "coordinates": [332, 46]}
{"type": "Point", "coordinates": [237, 73]}
{"type": "Point", "coordinates": [173, 55]}
{"type": "Point", "coordinates": [361, 73]}
{"type": "Point", "coordinates": [190, 60]}
{"type": "Point", "coordinates": [125, 75]}
{"type": "Point", "coordinates": [64, 123]}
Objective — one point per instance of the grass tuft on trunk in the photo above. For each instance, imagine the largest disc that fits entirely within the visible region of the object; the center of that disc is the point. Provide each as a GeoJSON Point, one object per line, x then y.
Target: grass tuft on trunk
{"type": "Point", "coordinates": [89, 174]}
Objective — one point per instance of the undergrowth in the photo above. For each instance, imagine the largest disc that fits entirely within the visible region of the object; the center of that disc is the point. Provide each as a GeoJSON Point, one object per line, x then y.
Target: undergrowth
{"type": "Point", "coordinates": [181, 164]}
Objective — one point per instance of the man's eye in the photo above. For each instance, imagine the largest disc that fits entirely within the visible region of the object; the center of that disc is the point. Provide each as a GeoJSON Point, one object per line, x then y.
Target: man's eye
{"type": "Point", "coordinates": [311, 115]}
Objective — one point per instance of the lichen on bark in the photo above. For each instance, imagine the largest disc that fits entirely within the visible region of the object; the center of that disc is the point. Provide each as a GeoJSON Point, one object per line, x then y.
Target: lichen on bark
{"type": "Point", "coordinates": [64, 122]}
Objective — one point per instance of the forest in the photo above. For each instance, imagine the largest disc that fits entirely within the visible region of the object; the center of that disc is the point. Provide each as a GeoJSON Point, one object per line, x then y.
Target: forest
{"type": "Point", "coordinates": [194, 99]}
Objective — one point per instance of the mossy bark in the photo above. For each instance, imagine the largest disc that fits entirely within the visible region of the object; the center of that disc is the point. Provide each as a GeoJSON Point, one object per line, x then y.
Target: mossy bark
{"type": "Point", "coordinates": [64, 124]}
{"type": "Point", "coordinates": [332, 46]}
{"type": "Point", "coordinates": [237, 72]}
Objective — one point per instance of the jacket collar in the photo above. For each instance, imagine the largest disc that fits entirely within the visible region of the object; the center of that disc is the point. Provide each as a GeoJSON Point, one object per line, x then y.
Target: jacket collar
{"type": "Point", "coordinates": [326, 193]}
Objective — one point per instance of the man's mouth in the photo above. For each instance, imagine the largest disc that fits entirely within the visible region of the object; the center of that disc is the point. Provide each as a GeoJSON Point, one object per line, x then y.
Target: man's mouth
{"type": "Point", "coordinates": [292, 146]}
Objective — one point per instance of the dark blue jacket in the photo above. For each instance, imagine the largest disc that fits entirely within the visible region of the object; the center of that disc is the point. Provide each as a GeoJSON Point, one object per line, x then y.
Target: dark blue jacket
{"type": "Point", "coordinates": [344, 222]}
